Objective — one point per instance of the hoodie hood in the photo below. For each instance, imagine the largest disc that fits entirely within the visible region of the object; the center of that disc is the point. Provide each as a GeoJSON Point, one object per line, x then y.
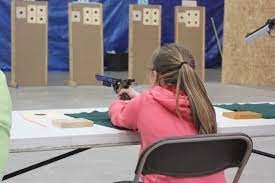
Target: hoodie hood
{"type": "Point", "coordinates": [166, 97]}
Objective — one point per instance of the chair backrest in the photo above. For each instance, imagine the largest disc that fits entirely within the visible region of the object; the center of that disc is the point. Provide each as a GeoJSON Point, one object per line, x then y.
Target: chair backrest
{"type": "Point", "coordinates": [195, 155]}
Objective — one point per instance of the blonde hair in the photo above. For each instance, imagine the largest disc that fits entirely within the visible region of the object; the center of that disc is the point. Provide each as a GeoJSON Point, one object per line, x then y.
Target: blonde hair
{"type": "Point", "coordinates": [175, 66]}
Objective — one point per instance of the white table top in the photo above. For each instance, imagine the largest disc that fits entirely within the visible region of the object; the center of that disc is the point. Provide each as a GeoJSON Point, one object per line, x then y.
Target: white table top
{"type": "Point", "coordinates": [252, 127]}
{"type": "Point", "coordinates": [32, 136]}
{"type": "Point", "coordinates": [39, 134]}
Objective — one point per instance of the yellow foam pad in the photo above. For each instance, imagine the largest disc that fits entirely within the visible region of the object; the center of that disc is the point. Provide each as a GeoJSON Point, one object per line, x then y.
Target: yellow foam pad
{"type": "Point", "coordinates": [72, 123]}
{"type": "Point", "coordinates": [242, 115]}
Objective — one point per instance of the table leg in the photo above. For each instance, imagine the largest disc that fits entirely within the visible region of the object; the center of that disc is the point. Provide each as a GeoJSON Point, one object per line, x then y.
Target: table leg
{"type": "Point", "coordinates": [44, 163]}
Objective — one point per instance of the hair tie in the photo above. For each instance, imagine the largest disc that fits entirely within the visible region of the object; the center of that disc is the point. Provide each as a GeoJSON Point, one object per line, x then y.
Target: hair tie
{"type": "Point", "coordinates": [181, 64]}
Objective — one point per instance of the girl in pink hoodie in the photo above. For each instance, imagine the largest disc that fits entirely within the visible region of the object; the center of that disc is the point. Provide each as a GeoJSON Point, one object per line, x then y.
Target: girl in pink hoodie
{"type": "Point", "coordinates": [176, 105]}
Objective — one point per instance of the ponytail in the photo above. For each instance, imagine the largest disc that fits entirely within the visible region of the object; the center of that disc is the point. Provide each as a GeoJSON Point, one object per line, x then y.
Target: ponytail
{"type": "Point", "coordinates": [202, 109]}
{"type": "Point", "coordinates": [176, 66]}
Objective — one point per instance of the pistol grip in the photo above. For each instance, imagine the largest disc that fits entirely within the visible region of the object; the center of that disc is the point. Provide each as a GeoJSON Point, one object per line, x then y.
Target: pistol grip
{"type": "Point", "coordinates": [125, 96]}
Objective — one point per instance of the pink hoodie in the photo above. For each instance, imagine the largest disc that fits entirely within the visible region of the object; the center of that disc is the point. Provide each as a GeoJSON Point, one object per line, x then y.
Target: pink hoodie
{"type": "Point", "coordinates": [153, 114]}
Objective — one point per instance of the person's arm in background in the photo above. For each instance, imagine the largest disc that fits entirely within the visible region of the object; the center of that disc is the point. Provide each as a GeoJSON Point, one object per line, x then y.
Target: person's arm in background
{"type": "Point", "coordinates": [5, 122]}
{"type": "Point", "coordinates": [125, 113]}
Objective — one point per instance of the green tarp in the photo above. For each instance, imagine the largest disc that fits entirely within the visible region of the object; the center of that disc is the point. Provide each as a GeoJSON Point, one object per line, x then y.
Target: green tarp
{"type": "Point", "coordinates": [99, 118]}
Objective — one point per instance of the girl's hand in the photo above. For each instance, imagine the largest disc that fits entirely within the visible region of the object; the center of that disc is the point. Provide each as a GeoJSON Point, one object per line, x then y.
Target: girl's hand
{"type": "Point", "coordinates": [130, 92]}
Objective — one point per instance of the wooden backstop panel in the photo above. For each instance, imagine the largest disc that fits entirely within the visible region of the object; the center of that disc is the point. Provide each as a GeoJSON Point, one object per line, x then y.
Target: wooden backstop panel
{"type": "Point", "coordinates": [253, 63]}
{"type": "Point", "coordinates": [29, 27]}
{"type": "Point", "coordinates": [190, 32]}
{"type": "Point", "coordinates": [144, 38]}
{"type": "Point", "coordinates": [86, 43]}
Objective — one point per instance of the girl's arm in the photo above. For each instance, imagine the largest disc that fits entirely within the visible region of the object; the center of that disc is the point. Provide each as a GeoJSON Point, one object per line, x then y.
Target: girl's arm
{"type": "Point", "coordinates": [5, 122]}
{"type": "Point", "coordinates": [125, 113]}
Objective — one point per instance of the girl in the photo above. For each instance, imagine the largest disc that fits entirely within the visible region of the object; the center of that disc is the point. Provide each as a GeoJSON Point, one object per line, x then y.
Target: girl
{"type": "Point", "coordinates": [176, 105]}
{"type": "Point", "coordinates": [5, 122]}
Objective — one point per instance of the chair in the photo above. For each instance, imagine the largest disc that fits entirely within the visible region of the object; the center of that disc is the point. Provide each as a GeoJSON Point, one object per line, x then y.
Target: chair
{"type": "Point", "coordinates": [194, 156]}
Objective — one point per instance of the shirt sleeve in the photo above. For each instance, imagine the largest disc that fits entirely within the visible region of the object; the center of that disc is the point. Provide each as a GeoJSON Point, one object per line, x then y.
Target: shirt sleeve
{"type": "Point", "coordinates": [5, 121]}
{"type": "Point", "coordinates": [125, 113]}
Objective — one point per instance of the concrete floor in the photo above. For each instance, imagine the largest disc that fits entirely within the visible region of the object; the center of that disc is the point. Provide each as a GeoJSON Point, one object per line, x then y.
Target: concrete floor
{"type": "Point", "coordinates": [105, 165]}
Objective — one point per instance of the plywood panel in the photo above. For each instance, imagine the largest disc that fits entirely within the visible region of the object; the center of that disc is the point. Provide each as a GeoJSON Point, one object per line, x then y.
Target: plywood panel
{"type": "Point", "coordinates": [248, 64]}
{"type": "Point", "coordinates": [86, 42]}
{"type": "Point", "coordinates": [144, 38]}
{"type": "Point", "coordinates": [29, 25]}
{"type": "Point", "coordinates": [190, 32]}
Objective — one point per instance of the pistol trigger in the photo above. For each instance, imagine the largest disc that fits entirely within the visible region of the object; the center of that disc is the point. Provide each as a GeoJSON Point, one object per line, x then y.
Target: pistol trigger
{"type": "Point", "coordinates": [115, 86]}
